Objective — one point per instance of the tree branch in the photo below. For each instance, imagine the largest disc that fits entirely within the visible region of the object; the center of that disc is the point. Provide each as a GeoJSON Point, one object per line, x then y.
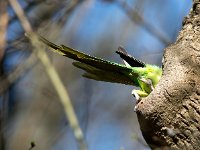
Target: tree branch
{"type": "Point", "coordinates": [53, 75]}
{"type": "Point", "coordinates": [3, 27]}
{"type": "Point", "coordinates": [170, 116]}
{"type": "Point", "coordinates": [137, 18]}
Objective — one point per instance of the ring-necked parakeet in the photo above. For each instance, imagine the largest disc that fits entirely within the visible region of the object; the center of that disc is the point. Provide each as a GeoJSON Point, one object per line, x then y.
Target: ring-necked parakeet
{"type": "Point", "coordinates": [134, 72]}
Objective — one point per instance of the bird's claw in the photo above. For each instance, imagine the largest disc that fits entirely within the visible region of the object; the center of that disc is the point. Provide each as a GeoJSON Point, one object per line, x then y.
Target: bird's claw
{"type": "Point", "coordinates": [135, 94]}
{"type": "Point", "coordinates": [138, 93]}
{"type": "Point", "coordinates": [148, 82]}
{"type": "Point", "coordinates": [137, 97]}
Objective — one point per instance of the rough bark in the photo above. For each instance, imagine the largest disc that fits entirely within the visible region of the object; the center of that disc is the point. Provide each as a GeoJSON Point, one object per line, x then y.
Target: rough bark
{"type": "Point", "coordinates": [170, 116]}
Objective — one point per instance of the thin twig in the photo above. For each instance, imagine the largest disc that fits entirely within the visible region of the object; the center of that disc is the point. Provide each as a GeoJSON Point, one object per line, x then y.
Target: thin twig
{"type": "Point", "coordinates": [3, 26]}
{"type": "Point", "coordinates": [53, 75]}
{"type": "Point", "coordinates": [69, 7]}
{"type": "Point", "coordinates": [137, 18]}
{"type": "Point", "coordinates": [21, 69]}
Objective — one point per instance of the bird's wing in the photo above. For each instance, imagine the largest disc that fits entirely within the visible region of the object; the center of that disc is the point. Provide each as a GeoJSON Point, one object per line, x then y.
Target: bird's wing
{"type": "Point", "coordinates": [96, 68]}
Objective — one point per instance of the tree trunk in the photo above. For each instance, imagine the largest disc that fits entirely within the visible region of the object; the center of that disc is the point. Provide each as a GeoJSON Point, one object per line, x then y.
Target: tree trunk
{"type": "Point", "coordinates": [170, 116]}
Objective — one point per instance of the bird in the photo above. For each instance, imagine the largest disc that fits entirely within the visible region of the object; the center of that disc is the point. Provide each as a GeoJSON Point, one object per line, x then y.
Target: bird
{"type": "Point", "coordinates": [133, 72]}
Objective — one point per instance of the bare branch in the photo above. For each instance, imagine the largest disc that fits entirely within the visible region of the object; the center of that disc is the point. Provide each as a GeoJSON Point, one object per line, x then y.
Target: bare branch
{"type": "Point", "coordinates": [169, 117]}
{"type": "Point", "coordinates": [7, 81]}
{"type": "Point", "coordinates": [138, 19]}
{"type": "Point", "coordinates": [3, 26]}
{"type": "Point", "coordinates": [53, 75]}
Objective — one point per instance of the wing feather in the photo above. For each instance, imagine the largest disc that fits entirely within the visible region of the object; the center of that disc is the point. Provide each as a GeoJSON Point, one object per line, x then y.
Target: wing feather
{"type": "Point", "coordinates": [96, 68]}
{"type": "Point", "coordinates": [133, 62]}
{"type": "Point", "coordinates": [102, 75]}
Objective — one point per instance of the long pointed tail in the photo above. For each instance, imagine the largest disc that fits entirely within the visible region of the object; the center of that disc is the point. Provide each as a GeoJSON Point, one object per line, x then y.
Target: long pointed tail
{"type": "Point", "coordinates": [96, 68]}
{"type": "Point", "coordinates": [45, 41]}
{"type": "Point", "coordinates": [50, 44]}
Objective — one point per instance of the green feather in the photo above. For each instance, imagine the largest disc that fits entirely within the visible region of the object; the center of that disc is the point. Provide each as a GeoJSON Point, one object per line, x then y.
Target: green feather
{"type": "Point", "coordinates": [102, 75]}
{"type": "Point", "coordinates": [96, 68]}
{"type": "Point", "coordinates": [102, 70]}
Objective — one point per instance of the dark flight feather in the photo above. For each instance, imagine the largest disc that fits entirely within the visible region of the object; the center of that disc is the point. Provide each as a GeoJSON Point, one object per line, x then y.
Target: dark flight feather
{"type": "Point", "coordinates": [133, 62]}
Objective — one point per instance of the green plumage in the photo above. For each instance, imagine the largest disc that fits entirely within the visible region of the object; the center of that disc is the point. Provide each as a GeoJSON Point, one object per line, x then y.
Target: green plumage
{"type": "Point", "coordinates": [102, 70]}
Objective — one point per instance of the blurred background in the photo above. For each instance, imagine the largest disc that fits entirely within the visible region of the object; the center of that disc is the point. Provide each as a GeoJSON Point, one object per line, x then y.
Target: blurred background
{"type": "Point", "coordinates": [30, 111]}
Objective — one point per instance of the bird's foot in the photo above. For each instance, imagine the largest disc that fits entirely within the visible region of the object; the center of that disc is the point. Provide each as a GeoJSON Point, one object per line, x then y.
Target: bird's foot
{"type": "Point", "coordinates": [138, 94]}
{"type": "Point", "coordinates": [137, 97]}
{"type": "Point", "coordinates": [148, 82]}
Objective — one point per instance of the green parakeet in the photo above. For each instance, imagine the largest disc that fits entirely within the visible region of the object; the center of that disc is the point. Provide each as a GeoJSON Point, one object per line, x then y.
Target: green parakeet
{"type": "Point", "coordinates": [134, 72]}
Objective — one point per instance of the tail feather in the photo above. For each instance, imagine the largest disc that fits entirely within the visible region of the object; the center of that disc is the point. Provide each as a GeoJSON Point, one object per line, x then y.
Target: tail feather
{"type": "Point", "coordinates": [96, 68]}
{"type": "Point", "coordinates": [50, 44]}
